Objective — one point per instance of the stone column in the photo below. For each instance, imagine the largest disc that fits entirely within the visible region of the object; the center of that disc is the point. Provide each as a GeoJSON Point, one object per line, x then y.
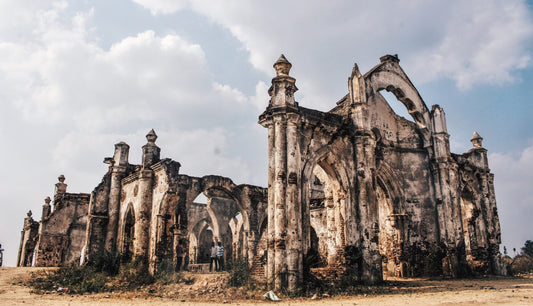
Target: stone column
{"type": "Point", "coordinates": [144, 212]}
{"type": "Point", "coordinates": [294, 211]}
{"type": "Point", "coordinates": [447, 207]}
{"type": "Point", "coordinates": [280, 220]}
{"type": "Point", "coordinates": [118, 167]}
{"type": "Point", "coordinates": [371, 270]}
{"type": "Point", "coordinates": [46, 209]}
{"type": "Point", "coordinates": [284, 266]}
{"type": "Point", "coordinates": [271, 208]}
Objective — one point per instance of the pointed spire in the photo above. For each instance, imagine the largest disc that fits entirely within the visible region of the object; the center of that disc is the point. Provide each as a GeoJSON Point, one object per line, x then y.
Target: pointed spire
{"type": "Point", "coordinates": [150, 150]}
{"type": "Point", "coordinates": [282, 66]}
{"type": "Point", "coordinates": [355, 71]}
{"type": "Point", "coordinates": [354, 86]}
{"type": "Point", "coordinates": [151, 136]}
{"type": "Point", "coordinates": [477, 141]}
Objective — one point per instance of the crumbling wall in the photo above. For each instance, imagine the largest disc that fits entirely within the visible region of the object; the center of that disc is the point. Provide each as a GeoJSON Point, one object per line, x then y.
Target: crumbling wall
{"type": "Point", "coordinates": [28, 241]}
{"type": "Point", "coordinates": [62, 233]}
{"type": "Point", "coordinates": [357, 179]}
{"type": "Point", "coordinates": [391, 189]}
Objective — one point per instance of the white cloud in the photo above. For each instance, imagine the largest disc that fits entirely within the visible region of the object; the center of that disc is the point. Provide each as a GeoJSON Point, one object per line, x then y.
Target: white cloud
{"type": "Point", "coordinates": [163, 6]}
{"type": "Point", "coordinates": [66, 101]}
{"type": "Point", "coordinates": [513, 177]}
{"type": "Point", "coordinates": [469, 42]}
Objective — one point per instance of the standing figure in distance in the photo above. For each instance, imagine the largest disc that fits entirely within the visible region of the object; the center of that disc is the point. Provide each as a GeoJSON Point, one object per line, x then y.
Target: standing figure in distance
{"type": "Point", "coordinates": [220, 256]}
{"type": "Point", "coordinates": [181, 254]}
{"type": "Point", "coordinates": [213, 257]}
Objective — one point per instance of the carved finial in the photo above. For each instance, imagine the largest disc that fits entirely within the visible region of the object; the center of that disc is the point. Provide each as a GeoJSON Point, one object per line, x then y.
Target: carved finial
{"type": "Point", "coordinates": [355, 71]}
{"type": "Point", "coordinates": [29, 214]}
{"type": "Point", "coordinates": [282, 66]}
{"type": "Point", "coordinates": [151, 136]}
{"type": "Point", "coordinates": [47, 200]}
{"type": "Point", "coordinates": [477, 141]}
{"type": "Point", "coordinates": [61, 187]}
{"type": "Point", "coordinates": [354, 84]}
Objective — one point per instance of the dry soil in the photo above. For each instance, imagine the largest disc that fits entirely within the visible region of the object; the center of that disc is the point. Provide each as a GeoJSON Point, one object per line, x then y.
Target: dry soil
{"type": "Point", "coordinates": [208, 289]}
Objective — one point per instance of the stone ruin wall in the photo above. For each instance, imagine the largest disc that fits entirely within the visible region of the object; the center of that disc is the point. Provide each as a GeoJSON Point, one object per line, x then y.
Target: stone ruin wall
{"type": "Point", "coordinates": [357, 176]}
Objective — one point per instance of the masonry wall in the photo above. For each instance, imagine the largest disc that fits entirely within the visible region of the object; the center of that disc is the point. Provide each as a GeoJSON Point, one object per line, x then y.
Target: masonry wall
{"type": "Point", "coordinates": [62, 233]}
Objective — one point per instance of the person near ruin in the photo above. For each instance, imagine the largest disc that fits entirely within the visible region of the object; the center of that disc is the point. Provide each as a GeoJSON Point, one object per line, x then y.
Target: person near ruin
{"type": "Point", "coordinates": [214, 260]}
{"type": "Point", "coordinates": [181, 254]}
{"type": "Point", "coordinates": [220, 256]}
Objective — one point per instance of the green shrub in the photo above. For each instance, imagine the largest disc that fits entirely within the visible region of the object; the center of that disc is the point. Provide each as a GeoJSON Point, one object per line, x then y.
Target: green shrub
{"type": "Point", "coordinates": [106, 262]}
{"type": "Point", "coordinates": [521, 264]}
{"type": "Point", "coordinates": [77, 279]}
{"type": "Point", "coordinates": [136, 273]}
{"type": "Point", "coordinates": [240, 273]}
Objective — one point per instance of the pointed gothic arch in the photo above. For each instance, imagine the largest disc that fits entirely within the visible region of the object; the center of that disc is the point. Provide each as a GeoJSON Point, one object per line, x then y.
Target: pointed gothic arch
{"type": "Point", "coordinates": [128, 233]}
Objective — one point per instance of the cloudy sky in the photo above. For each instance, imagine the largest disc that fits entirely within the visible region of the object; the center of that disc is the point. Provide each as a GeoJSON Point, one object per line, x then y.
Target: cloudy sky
{"type": "Point", "coordinates": [76, 77]}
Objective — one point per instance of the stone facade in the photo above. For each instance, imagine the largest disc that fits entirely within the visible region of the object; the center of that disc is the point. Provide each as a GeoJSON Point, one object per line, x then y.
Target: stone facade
{"type": "Point", "coordinates": [28, 241]}
{"type": "Point", "coordinates": [357, 179]}
{"type": "Point", "coordinates": [60, 236]}
{"type": "Point", "coordinates": [147, 210]}
{"type": "Point", "coordinates": [391, 189]}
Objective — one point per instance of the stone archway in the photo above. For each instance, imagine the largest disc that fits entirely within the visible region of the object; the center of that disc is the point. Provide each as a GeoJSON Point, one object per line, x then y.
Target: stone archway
{"type": "Point", "coordinates": [393, 223]}
{"type": "Point", "coordinates": [474, 229]}
{"type": "Point", "coordinates": [200, 240]}
{"type": "Point", "coordinates": [128, 234]}
{"type": "Point", "coordinates": [325, 198]}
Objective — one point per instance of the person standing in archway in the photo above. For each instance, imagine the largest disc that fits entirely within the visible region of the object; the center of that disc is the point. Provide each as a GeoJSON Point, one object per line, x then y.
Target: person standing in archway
{"type": "Point", "coordinates": [214, 259]}
{"type": "Point", "coordinates": [181, 254]}
{"type": "Point", "coordinates": [220, 256]}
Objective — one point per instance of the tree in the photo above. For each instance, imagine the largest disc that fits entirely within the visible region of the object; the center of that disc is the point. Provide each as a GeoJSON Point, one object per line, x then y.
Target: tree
{"type": "Point", "coordinates": [527, 249]}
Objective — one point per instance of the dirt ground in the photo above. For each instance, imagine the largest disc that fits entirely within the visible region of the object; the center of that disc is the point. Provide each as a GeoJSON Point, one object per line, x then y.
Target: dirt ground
{"type": "Point", "coordinates": [206, 290]}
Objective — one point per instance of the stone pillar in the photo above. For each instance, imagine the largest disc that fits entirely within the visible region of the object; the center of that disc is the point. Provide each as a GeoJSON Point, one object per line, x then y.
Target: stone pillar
{"type": "Point", "coordinates": [46, 209]}
{"type": "Point", "coordinates": [371, 270]}
{"type": "Point", "coordinates": [294, 210]}
{"type": "Point", "coordinates": [356, 87]}
{"type": "Point", "coordinates": [280, 220]}
{"type": "Point", "coordinates": [448, 207]}
{"type": "Point", "coordinates": [144, 212]}
{"type": "Point", "coordinates": [329, 204]}
{"type": "Point", "coordinates": [29, 238]}
{"type": "Point", "coordinates": [118, 167]}
{"type": "Point", "coordinates": [271, 228]}
{"type": "Point", "coordinates": [487, 222]}
{"type": "Point", "coordinates": [284, 267]}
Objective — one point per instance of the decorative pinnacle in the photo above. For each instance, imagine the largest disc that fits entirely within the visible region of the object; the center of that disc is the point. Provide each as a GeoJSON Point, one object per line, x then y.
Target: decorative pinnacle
{"type": "Point", "coordinates": [47, 200]}
{"type": "Point", "coordinates": [151, 136]}
{"type": "Point", "coordinates": [477, 140]}
{"type": "Point", "coordinates": [61, 178]}
{"type": "Point", "coordinates": [282, 66]}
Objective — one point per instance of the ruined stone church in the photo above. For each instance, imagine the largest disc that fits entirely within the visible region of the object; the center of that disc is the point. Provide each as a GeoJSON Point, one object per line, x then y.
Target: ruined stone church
{"type": "Point", "coordinates": [358, 189]}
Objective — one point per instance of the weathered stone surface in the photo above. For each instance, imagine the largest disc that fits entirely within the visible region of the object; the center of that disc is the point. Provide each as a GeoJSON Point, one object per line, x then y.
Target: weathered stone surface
{"type": "Point", "coordinates": [357, 179]}
{"type": "Point", "coordinates": [60, 236]}
{"type": "Point", "coordinates": [362, 176]}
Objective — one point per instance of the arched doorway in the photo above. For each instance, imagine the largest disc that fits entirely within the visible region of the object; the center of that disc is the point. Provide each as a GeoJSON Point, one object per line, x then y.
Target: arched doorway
{"type": "Point", "coordinates": [129, 234]}
{"type": "Point", "coordinates": [325, 198]}
{"type": "Point", "coordinates": [393, 225]}
{"type": "Point", "coordinates": [476, 246]}
{"type": "Point", "coordinates": [204, 241]}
